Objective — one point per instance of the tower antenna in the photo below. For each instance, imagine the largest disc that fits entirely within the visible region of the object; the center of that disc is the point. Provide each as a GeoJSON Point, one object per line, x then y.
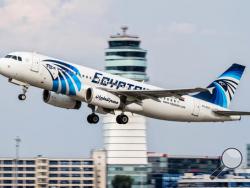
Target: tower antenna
{"type": "Point", "coordinates": [124, 30]}
{"type": "Point", "coordinates": [17, 140]}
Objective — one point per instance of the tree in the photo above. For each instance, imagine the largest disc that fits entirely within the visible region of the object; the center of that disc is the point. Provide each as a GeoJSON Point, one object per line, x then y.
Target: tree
{"type": "Point", "coordinates": [122, 181]}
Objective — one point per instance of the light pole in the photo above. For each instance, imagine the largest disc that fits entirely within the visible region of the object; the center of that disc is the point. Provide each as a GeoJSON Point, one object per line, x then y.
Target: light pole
{"type": "Point", "coordinates": [17, 140]}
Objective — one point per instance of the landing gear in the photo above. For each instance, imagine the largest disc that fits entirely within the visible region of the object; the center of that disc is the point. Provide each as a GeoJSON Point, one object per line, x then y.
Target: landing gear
{"type": "Point", "coordinates": [122, 119]}
{"type": "Point", "coordinates": [92, 118]}
{"type": "Point", "coordinates": [22, 96]}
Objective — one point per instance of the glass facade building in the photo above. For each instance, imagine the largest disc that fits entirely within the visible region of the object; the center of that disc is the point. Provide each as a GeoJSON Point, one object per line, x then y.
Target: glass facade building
{"type": "Point", "coordinates": [237, 178]}
{"type": "Point", "coordinates": [136, 172]}
{"type": "Point", "coordinates": [165, 170]}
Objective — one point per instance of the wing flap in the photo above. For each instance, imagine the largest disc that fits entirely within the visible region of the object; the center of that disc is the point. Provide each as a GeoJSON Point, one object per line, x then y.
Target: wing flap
{"type": "Point", "coordinates": [232, 113]}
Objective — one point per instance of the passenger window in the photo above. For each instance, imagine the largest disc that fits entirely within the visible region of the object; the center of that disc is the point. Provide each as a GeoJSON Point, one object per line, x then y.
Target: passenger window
{"type": "Point", "coordinates": [19, 58]}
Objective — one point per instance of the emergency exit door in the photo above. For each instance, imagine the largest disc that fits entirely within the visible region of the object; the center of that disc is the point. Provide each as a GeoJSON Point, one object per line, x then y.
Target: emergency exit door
{"type": "Point", "coordinates": [197, 108]}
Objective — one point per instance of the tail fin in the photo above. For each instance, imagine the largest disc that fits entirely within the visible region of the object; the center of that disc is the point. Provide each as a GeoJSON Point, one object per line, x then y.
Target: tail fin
{"type": "Point", "coordinates": [222, 90]}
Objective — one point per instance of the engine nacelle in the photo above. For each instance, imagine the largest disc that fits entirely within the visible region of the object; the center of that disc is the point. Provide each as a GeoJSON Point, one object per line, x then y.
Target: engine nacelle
{"type": "Point", "coordinates": [61, 101]}
{"type": "Point", "coordinates": [101, 98]}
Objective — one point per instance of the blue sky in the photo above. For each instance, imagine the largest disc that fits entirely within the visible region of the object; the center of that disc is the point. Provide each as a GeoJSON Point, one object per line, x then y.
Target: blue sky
{"type": "Point", "coordinates": [189, 44]}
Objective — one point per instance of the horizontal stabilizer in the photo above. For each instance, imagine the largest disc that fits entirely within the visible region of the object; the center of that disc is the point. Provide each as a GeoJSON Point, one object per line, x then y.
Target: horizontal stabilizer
{"type": "Point", "coordinates": [232, 113]}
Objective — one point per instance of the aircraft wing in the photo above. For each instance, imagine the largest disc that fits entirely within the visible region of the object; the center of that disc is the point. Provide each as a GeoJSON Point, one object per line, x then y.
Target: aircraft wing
{"type": "Point", "coordinates": [231, 113]}
{"type": "Point", "coordinates": [155, 94]}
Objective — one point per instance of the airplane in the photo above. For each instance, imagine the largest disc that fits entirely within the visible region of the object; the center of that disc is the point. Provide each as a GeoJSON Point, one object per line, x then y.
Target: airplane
{"type": "Point", "coordinates": [67, 85]}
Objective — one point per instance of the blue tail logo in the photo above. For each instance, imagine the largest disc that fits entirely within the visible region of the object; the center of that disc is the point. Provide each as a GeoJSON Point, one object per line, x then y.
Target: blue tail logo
{"type": "Point", "coordinates": [222, 90]}
{"type": "Point", "coordinates": [66, 80]}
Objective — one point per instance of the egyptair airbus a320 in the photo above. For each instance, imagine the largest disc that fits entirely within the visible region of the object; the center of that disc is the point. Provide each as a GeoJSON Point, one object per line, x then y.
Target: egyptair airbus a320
{"type": "Point", "coordinates": [67, 85]}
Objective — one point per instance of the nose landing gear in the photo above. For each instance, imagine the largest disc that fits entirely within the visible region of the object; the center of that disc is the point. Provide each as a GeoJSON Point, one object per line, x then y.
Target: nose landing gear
{"type": "Point", "coordinates": [22, 96]}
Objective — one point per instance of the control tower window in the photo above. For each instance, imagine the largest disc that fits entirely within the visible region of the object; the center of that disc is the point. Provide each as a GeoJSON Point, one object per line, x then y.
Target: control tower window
{"type": "Point", "coordinates": [127, 54]}
{"type": "Point", "coordinates": [127, 68]}
{"type": "Point", "coordinates": [124, 43]}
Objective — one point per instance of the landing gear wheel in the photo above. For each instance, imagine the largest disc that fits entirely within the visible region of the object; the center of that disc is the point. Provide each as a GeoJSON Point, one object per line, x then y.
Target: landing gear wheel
{"type": "Point", "coordinates": [118, 119]}
{"type": "Point", "coordinates": [22, 97]}
{"type": "Point", "coordinates": [93, 118]}
{"type": "Point", "coordinates": [122, 119]}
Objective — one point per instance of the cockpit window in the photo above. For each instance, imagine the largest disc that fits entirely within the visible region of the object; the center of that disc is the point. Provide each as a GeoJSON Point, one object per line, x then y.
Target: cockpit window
{"type": "Point", "coordinates": [8, 56]}
{"type": "Point", "coordinates": [14, 57]}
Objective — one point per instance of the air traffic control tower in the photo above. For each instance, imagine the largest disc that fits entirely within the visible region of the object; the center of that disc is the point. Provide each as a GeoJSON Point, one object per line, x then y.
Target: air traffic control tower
{"type": "Point", "coordinates": [125, 145]}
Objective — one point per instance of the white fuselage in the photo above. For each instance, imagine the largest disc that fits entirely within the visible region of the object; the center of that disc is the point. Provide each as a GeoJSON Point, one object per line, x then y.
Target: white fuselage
{"type": "Point", "coordinates": [34, 71]}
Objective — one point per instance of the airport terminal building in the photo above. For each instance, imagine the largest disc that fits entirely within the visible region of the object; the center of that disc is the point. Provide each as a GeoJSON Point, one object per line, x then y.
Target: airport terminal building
{"type": "Point", "coordinates": [163, 170]}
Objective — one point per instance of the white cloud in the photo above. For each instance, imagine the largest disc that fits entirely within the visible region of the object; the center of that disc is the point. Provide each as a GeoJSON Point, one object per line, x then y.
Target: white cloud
{"type": "Point", "coordinates": [54, 26]}
{"type": "Point", "coordinates": [16, 14]}
{"type": "Point", "coordinates": [19, 14]}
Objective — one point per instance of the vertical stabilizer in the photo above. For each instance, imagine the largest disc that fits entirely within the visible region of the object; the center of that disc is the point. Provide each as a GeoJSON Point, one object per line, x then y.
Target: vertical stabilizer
{"type": "Point", "coordinates": [222, 90]}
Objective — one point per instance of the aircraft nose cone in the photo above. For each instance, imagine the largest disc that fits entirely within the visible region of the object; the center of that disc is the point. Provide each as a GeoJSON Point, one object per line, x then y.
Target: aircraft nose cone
{"type": "Point", "coordinates": [1, 65]}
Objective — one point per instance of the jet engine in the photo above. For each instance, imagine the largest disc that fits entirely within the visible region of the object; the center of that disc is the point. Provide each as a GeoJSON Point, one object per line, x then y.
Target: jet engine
{"type": "Point", "coordinates": [101, 98]}
{"type": "Point", "coordinates": [61, 101]}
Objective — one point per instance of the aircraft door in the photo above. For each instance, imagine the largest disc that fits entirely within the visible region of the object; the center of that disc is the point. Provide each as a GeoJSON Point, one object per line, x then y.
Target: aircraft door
{"type": "Point", "coordinates": [197, 108]}
{"type": "Point", "coordinates": [35, 64]}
